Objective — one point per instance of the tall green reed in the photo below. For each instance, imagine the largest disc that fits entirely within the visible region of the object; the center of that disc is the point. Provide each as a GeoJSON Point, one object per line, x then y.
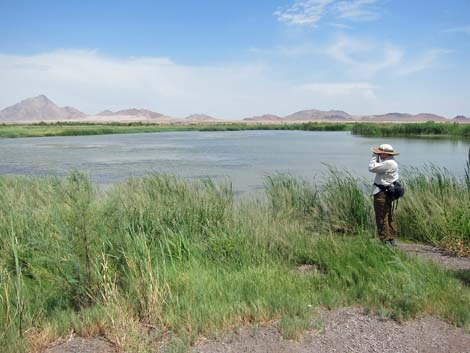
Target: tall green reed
{"type": "Point", "coordinates": [467, 171]}
{"type": "Point", "coordinates": [435, 209]}
{"type": "Point", "coordinates": [337, 202]}
{"type": "Point", "coordinates": [288, 194]}
{"type": "Point", "coordinates": [187, 257]}
{"type": "Point", "coordinates": [411, 129]}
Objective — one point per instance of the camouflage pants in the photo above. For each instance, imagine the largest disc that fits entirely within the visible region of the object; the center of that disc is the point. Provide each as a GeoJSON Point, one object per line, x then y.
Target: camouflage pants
{"type": "Point", "coordinates": [384, 216]}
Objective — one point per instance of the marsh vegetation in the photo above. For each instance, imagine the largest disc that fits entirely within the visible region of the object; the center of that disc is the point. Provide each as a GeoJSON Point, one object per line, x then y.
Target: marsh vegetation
{"type": "Point", "coordinates": [356, 128]}
{"type": "Point", "coordinates": [161, 255]}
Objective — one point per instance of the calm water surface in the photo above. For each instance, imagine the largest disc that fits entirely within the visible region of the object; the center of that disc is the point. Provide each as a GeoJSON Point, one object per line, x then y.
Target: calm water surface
{"type": "Point", "coordinates": [244, 157]}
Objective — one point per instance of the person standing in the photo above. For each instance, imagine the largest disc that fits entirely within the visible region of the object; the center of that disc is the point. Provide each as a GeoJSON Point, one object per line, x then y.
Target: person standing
{"type": "Point", "coordinates": [385, 167]}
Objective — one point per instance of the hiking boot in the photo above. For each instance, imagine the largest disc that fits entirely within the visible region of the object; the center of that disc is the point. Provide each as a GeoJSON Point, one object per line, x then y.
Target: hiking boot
{"type": "Point", "coordinates": [389, 242]}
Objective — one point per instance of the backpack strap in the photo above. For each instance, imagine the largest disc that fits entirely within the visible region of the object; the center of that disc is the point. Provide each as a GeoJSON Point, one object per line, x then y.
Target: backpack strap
{"type": "Point", "coordinates": [381, 187]}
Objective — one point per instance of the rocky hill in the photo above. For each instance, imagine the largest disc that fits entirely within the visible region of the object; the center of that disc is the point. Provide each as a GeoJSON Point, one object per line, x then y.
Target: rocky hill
{"type": "Point", "coordinates": [315, 115]}
{"type": "Point", "coordinates": [264, 118]}
{"type": "Point", "coordinates": [41, 108]}
{"type": "Point", "coordinates": [145, 113]}
{"type": "Point", "coordinates": [200, 118]}
{"type": "Point", "coordinates": [38, 108]}
{"type": "Point", "coordinates": [461, 119]}
{"type": "Point", "coordinates": [403, 117]}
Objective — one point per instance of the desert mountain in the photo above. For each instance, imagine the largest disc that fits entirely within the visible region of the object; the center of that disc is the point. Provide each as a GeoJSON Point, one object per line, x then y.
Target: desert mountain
{"type": "Point", "coordinates": [265, 117]}
{"type": "Point", "coordinates": [428, 117]}
{"type": "Point", "coordinates": [38, 108]}
{"type": "Point", "coordinates": [313, 114]}
{"type": "Point", "coordinates": [200, 118]}
{"type": "Point", "coordinates": [404, 117]}
{"type": "Point", "coordinates": [106, 112]}
{"type": "Point", "coordinates": [145, 113]}
{"type": "Point", "coordinates": [461, 119]}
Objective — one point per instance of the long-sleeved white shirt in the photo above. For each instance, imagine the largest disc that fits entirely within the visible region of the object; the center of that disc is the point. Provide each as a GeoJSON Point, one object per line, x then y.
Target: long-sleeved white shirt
{"type": "Point", "coordinates": [386, 171]}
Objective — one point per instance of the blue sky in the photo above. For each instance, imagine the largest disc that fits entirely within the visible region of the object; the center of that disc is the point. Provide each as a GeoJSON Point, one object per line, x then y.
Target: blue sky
{"type": "Point", "coordinates": [234, 59]}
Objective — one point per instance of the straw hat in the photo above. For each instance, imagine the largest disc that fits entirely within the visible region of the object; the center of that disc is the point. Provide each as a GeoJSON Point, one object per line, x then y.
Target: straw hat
{"type": "Point", "coordinates": [384, 148]}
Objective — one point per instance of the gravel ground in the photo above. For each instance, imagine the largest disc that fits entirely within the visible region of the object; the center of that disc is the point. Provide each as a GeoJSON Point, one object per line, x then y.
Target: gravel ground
{"type": "Point", "coordinates": [348, 330]}
{"type": "Point", "coordinates": [344, 330]}
{"type": "Point", "coordinates": [438, 256]}
{"type": "Point", "coordinates": [82, 345]}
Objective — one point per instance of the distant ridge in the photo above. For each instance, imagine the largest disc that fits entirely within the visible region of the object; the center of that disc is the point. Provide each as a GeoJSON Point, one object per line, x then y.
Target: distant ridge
{"type": "Point", "coordinates": [403, 117]}
{"type": "Point", "coordinates": [39, 108]}
{"type": "Point", "coordinates": [265, 117]}
{"type": "Point", "coordinates": [106, 112]}
{"type": "Point", "coordinates": [314, 115]}
{"type": "Point", "coordinates": [461, 119]}
{"type": "Point", "coordinates": [201, 118]}
{"type": "Point", "coordinates": [148, 114]}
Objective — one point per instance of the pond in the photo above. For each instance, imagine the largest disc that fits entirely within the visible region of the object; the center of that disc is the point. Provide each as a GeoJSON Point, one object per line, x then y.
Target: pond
{"type": "Point", "coordinates": [244, 157]}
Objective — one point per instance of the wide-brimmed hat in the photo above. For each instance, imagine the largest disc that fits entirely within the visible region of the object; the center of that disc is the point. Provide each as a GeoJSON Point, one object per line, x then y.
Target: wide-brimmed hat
{"type": "Point", "coordinates": [384, 148]}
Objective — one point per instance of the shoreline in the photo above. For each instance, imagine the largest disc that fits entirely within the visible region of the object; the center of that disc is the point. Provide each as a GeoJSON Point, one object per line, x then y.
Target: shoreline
{"type": "Point", "coordinates": [366, 129]}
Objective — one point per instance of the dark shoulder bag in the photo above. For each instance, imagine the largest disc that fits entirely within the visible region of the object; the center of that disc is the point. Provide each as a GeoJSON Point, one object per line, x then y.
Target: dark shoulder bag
{"type": "Point", "coordinates": [395, 190]}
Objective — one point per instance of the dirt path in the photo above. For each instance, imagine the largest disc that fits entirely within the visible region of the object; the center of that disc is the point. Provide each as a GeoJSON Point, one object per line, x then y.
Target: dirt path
{"type": "Point", "coordinates": [82, 345]}
{"type": "Point", "coordinates": [438, 256]}
{"type": "Point", "coordinates": [348, 330]}
{"type": "Point", "coordinates": [344, 330]}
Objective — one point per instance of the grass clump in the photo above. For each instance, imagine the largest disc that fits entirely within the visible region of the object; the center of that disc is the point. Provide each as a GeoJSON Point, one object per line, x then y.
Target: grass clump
{"type": "Point", "coordinates": [363, 129]}
{"type": "Point", "coordinates": [435, 210]}
{"type": "Point", "coordinates": [83, 129]}
{"type": "Point", "coordinates": [338, 203]}
{"type": "Point", "coordinates": [291, 196]}
{"type": "Point", "coordinates": [292, 326]}
{"type": "Point", "coordinates": [412, 129]}
{"type": "Point", "coordinates": [185, 257]}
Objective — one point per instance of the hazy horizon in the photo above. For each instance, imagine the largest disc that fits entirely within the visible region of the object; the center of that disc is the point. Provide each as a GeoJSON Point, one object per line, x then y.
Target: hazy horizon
{"type": "Point", "coordinates": [241, 59]}
{"type": "Point", "coordinates": [199, 113]}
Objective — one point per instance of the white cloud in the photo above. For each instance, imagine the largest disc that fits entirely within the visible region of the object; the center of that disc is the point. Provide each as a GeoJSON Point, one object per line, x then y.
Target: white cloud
{"type": "Point", "coordinates": [303, 12]}
{"type": "Point", "coordinates": [423, 62]}
{"type": "Point", "coordinates": [462, 29]}
{"type": "Point", "coordinates": [310, 12]}
{"type": "Point", "coordinates": [357, 10]}
{"type": "Point", "coordinates": [350, 89]}
{"type": "Point", "coordinates": [339, 25]}
{"type": "Point", "coordinates": [365, 58]}
{"type": "Point", "coordinates": [92, 82]}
